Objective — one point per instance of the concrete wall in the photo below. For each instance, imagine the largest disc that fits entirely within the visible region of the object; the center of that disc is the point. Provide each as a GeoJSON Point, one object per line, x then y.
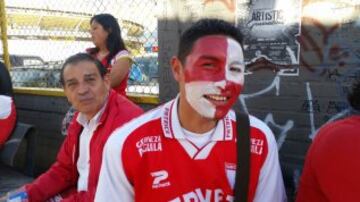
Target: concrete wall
{"type": "Point", "coordinates": [294, 98]}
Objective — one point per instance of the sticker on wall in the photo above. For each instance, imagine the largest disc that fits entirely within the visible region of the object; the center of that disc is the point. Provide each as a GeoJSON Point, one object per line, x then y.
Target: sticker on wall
{"type": "Point", "coordinates": [270, 29]}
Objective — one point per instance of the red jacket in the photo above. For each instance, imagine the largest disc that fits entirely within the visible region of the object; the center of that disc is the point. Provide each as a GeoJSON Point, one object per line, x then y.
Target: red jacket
{"type": "Point", "coordinates": [62, 176]}
{"type": "Point", "coordinates": [331, 169]}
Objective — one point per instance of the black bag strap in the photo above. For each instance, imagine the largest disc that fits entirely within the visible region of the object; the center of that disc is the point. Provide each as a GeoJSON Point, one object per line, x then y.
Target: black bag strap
{"type": "Point", "coordinates": [243, 158]}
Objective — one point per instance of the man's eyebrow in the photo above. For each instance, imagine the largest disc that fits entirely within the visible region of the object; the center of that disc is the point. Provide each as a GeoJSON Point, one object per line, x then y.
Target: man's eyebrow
{"type": "Point", "coordinates": [209, 57]}
{"type": "Point", "coordinates": [90, 75]}
{"type": "Point", "coordinates": [86, 76]}
{"type": "Point", "coordinates": [70, 80]}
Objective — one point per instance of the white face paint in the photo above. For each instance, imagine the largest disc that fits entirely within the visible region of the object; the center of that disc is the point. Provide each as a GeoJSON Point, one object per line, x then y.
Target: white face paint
{"type": "Point", "coordinates": [212, 95]}
{"type": "Point", "coordinates": [235, 61]}
{"type": "Point", "coordinates": [195, 92]}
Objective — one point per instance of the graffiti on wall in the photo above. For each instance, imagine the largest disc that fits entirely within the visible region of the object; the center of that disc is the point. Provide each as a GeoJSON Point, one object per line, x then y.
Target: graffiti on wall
{"type": "Point", "coordinates": [329, 61]}
{"type": "Point", "coordinates": [330, 49]}
{"type": "Point", "coordinates": [281, 130]}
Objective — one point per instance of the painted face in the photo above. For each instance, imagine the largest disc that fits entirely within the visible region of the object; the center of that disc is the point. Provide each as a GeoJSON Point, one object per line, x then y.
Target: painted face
{"type": "Point", "coordinates": [98, 34]}
{"type": "Point", "coordinates": [84, 87]}
{"type": "Point", "coordinates": [214, 75]}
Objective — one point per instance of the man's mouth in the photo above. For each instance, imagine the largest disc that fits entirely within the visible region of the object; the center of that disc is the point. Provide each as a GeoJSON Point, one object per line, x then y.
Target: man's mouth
{"type": "Point", "coordinates": [87, 100]}
{"type": "Point", "coordinates": [217, 98]}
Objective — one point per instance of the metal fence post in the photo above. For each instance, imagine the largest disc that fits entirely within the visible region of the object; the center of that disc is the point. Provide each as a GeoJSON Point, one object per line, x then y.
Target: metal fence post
{"type": "Point", "coordinates": [3, 27]}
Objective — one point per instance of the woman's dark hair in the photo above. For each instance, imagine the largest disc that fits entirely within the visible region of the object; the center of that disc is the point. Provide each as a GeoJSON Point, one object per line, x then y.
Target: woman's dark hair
{"type": "Point", "coordinates": [114, 42]}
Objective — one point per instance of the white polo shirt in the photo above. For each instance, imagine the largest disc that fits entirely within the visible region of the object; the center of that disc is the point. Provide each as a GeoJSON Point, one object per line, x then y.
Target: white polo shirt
{"type": "Point", "coordinates": [84, 147]}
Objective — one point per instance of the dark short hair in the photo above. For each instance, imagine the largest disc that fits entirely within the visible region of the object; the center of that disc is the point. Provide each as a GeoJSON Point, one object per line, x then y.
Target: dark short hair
{"type": "Point", "coordinates": [81, 57]}
{"type": "Point", "coordinates": [203, 28]}
{"type": "Point", "coordinates": [114, 41]}
{"type": "Point", "coordinates": [354, 95]}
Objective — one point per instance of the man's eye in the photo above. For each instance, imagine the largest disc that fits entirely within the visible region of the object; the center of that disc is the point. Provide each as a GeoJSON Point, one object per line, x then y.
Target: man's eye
{"type": "Point", "coordinates": [236, 69]}
{"type": "Point", "coordinates": [70, 84]}
{"type": "Point", "coordinates": [90, 79]}
{"type": "Point", "coordinates": [208, 65]}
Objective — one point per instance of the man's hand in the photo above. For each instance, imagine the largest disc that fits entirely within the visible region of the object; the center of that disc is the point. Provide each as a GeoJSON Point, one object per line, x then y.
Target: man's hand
{"type": "Point", "coordinates": [56, 198]}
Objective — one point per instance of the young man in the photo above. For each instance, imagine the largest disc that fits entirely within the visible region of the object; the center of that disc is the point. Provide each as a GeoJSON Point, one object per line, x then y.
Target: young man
{"type": "Point", "coordinates": [331, 167]}
{"type": "Point", "coordinates": [185, 150]}
{"type": "Point", "coordinates": [74, 175]}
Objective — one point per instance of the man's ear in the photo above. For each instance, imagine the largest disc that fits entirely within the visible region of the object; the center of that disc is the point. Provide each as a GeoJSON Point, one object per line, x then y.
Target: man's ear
{"type": "Point", "coordinates": [176, 67]}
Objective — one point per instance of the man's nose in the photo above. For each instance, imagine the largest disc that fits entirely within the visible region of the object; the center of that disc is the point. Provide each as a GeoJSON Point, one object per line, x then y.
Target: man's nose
{"type": "Point", "coordinates": [83, 88]}
{"type": "Point", "coordinates": [220, 84]}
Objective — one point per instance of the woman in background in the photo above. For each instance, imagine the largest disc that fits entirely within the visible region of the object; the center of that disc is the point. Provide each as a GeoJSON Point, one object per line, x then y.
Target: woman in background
{"type": "Point", "coordinates": [110, 50]}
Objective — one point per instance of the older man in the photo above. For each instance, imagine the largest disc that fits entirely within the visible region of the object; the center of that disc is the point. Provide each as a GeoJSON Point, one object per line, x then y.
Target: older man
{"type": "Point", "coordinates": [74, 175]}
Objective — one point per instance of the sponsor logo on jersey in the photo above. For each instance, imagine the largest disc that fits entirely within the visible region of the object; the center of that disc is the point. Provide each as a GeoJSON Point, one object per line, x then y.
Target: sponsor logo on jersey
{"type": "Point", "coordinates": [257, 146]}
{"type": "Point", "coordinates": [207, 195]}
{"type": "Point", "coordinates": [228, 128]}
{"type": "Point", "coordinates": [166, 122]}
{"type": "Point", "coordinates": [230, 170]}
{"type": "Point", "coordinates": [160, 179]}
{"type": "Point", "coordinates": [149, 144]}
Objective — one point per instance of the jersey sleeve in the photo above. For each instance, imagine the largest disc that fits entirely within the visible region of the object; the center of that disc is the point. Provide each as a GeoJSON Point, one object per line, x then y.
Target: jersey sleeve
{"type": "Point", "coordinates": [270, 185]}
{"type": "Point", "coordinates": [119, 55]}
{"type": "Point", "coordinates": [113, 184]}
{"type": "Point", "coordinates": [309, 186]}
{"type": "Point", "coordinates": [309, 189]}
{"type": "Point", "coordinates": [5, 103]}
{"type": "Point", "coordinates": [7, 118]}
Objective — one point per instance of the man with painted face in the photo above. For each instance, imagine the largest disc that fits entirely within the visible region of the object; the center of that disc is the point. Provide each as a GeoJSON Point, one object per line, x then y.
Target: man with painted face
{"type": "Point", "coordinates": [185, 150]}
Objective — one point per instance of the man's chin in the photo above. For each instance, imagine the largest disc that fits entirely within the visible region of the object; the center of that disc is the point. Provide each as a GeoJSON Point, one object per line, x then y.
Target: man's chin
{"type": "Point", "coordinates": [219, 114]}
{"type": "Point", "coordinates": [87, 109]}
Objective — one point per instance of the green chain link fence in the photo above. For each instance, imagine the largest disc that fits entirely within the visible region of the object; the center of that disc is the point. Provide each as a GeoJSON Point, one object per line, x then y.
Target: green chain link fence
{"type": "Point", "coordinates": [41, 34]}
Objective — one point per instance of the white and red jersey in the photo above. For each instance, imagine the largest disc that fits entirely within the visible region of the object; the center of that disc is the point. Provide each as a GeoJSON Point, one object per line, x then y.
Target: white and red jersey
{"type": "Point", "coordinates": [150, 159]}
